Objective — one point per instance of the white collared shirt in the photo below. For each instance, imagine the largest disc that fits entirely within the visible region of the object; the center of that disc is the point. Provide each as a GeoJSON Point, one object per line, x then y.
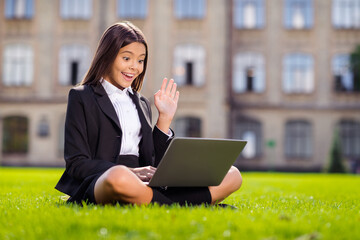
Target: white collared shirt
{"type": "Point", "coordinates": [128, 118]}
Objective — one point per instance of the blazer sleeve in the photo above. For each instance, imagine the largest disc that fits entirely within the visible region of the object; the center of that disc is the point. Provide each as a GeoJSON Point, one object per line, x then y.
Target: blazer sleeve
{"type": "Point", "coordinates": [161, 143]}
{"type": "Point", "coordinates": [161, 140]}
{"type": "Point", "coordinates": [77, 154]}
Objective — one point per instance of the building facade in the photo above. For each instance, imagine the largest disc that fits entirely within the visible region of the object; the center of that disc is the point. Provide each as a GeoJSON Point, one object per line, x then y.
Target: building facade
{"type": "Point", "coordinates": [291, 82]}
{"type": "Point", "coordinates": [274, 73]}
{"type": "Point", "coordinates": [47, 46]}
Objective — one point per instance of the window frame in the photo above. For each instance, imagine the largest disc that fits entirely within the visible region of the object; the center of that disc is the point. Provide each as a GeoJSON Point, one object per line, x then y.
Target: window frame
{"type": "Point", "coordinates": [186, 122]}
{"type": "Point", "coordinates": [350, 137]}
{"type": "Point", "coordinates": [303, 136]}
{"type": "Point", "coordinates": [183, 9]}
{"type": "Point", "coordinates": [18, 56]}
{"type": "Point", "coordinates": [244, 124]}
{"type": "Point", "coordinates": [76, 9]}
{"type": "Point", "coordinates": [23, 149]}
{"type": "Point", "coordinates": [68, 53]}
{"type": "Point", "coordinates": [189, 52]}
{"type": "Point", "coordinates": [307, 13]}
{"type": "Point", "coordinates": [239, 12]}
{"type": "Point", "coordinates": [10, 10]}
{"type": "Point", "coordinates": [341, 63]}
{"type": "Point", "coordinates": [140, 12]}
{"type": "Point", "coordinates": [340, 14]}
{"type": "Point", "coordinates": [242, 61]}
{"type": "Point", "coordinates": [291, 80]}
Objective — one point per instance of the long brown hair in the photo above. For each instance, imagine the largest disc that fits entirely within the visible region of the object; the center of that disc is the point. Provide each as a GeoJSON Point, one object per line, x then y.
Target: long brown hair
{"type": "Point", "coordinates": [115, 37]}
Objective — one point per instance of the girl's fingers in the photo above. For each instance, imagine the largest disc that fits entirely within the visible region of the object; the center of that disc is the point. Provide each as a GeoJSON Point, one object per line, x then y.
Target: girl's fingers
{"type": "Point", "coordinates": [173, 91]}
{"type": "Point", "coordinates": [177, 95]}
{"type": "Point", "coordinates": [169, 86]}
{"type": "Point", "coordinates": [163, 85]}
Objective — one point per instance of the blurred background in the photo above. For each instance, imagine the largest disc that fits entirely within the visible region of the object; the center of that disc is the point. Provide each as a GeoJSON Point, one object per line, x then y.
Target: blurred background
{"type": "Point", "coordinates": [282, 74]}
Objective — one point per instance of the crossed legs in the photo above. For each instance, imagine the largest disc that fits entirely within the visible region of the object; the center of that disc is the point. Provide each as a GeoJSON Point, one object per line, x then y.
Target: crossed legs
{"type": "Point", "coordinates": [119, 184]}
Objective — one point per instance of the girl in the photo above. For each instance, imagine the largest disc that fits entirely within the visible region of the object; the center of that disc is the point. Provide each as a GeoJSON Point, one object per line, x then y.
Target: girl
{"type": "Point", "coordinates": [111, 151]}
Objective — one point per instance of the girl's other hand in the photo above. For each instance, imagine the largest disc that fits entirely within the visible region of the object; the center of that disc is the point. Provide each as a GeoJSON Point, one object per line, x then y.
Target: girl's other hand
{"type": "Point", "coordinates": [144, 173]}
{"type": "Point", "coordinates": [166, 100]}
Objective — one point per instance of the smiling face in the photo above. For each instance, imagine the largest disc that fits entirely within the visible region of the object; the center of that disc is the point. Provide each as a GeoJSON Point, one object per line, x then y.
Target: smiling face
{"type": "Point", "coordinates": [128, 64]}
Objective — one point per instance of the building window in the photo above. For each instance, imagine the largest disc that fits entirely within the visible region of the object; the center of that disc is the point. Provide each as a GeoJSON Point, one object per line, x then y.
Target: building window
{"type": "Point", "coordinates": [298, 139]}
{"type": "Point", "coordinates": [298, 14]}
{"type": "Point", "coordinates": [73, 64]}
{"type": "Point", "coordinates": [188, 127]}
{"type": "Point", "coordinates": [189, 65]}
{"type": "Point", "coordinates": [19, 9]}
{"type": "Point", "coordinates": [249, 14]}
{"type": "Point", "coordinates": [76, 9]}
{"type": "Point", "coordinates": [18, 65]}
{"type": "Point", "coordinates": [346, 14]}
{"type": "Point", "coordinates": [15, 135]}
{"type": "Point", "coordinates": [133, 9]}
{"type": "Point", "coordinates": [343, 75]}
{"type": "Point", "coordinates": [189, 9]}
{"type": "Point", "coordinates": [249, 130]}
{"type": "Point", "coordinates": [43, 128]}
{"type": "Point", "coordinates": [350, 138]}
{"type": "Point", "coordinates": [298, 73]}
{"type": "Point", "coordinates": [248, 73]}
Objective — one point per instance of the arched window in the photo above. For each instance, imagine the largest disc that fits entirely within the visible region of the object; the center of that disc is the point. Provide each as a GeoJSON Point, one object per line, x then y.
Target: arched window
{"type": "Point", "coordinates": [249, 74]}
{"type": "Point", "coordinates": [298, 73]}
{"type": "Point", "coordinates": [15, 135]}
{"type": "Point", "coordinates": [251, 131]}
{"type": "Point", "coordinates": [189, 65]}
{"type": "Point", "coordinates": [298, 139]}
{"type": "Point", "coordinates": [73, 64]}
{"type": "Point", "coordinates": [18, 65]}
{"type": "Point", "coordinates": [350, 138]}
{"type": "Point", "coordinates": [188, 127]}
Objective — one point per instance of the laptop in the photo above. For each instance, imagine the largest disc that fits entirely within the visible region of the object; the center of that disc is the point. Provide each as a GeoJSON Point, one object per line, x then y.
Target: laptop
{"type": "Point", "coordinates": [196, 162]}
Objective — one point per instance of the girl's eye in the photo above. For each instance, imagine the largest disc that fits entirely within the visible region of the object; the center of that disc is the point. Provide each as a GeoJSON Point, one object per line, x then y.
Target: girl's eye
{"type": "Point", "coordinates": [141, 61]}
{"type": "Point", "coordinates": [126, 58]}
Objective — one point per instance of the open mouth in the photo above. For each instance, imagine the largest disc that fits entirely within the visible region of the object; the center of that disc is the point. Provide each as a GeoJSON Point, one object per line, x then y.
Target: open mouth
{"type": "Point", "coordinates": [128, 76]}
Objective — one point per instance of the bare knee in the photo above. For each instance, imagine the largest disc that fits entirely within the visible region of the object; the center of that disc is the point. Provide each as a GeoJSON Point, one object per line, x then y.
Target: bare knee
{"type": "Point", "coordinates": [235, 178]}
{"type": "Point", "coordinates": [117, 179]}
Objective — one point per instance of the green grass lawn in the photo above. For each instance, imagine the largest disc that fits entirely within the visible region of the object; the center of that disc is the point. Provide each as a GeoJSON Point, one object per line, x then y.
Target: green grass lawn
{"type": "Point", "coordinates": [270, 206]}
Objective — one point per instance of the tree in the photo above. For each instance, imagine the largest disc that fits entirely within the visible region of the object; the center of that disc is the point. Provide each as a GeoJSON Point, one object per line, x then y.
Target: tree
{"type": "Point", "coordinates": [355, 67]}
{"type": "Point", "coordinates": [336, 158]}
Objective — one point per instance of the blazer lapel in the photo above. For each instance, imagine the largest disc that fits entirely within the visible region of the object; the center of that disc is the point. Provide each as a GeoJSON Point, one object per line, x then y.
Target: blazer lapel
{"type": "Point", "coordinates": [105, 104]}
{"type": "Point", "coordinates": [141, 108]}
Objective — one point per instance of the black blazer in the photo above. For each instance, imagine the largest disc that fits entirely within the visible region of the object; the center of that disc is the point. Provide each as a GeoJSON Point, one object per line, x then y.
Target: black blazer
{"type": "Point", "coordinates": [93, 136]}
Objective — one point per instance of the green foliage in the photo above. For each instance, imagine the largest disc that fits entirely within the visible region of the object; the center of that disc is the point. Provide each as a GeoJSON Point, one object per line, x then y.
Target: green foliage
{"type": "Point", "coordinates": [270, 206]}
{"type": "Point", "coordinates": [355, 66]}
{"type": "Point", "coordinates": [336, 158]}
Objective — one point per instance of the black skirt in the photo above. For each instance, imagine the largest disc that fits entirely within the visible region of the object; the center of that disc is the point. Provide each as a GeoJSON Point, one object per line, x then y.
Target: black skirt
{"type": "Point", "coordinates": [162, 196]}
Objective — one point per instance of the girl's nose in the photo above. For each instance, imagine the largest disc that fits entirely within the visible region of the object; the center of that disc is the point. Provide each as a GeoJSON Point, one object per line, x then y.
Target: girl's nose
{"type": "Point", "coordinates": [133, 65]}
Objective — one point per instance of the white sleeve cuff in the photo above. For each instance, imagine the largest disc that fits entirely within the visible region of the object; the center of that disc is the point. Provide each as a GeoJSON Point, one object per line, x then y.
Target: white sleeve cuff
{"type": "Point", "coordinates": [169, 133]}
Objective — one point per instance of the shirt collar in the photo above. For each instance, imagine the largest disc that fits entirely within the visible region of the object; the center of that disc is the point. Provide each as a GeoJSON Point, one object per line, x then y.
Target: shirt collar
{"type": "Point", "coordinates": [111, 89]}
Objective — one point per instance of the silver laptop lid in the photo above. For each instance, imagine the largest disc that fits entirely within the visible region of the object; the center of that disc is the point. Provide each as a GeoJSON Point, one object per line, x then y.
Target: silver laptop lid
{"type": "Point", "coordinates": [193, 162]}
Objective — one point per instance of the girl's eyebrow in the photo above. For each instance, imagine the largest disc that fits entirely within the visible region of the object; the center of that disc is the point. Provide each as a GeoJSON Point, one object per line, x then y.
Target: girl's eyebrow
{"type": "Point", "coordinates": [132, 53]}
